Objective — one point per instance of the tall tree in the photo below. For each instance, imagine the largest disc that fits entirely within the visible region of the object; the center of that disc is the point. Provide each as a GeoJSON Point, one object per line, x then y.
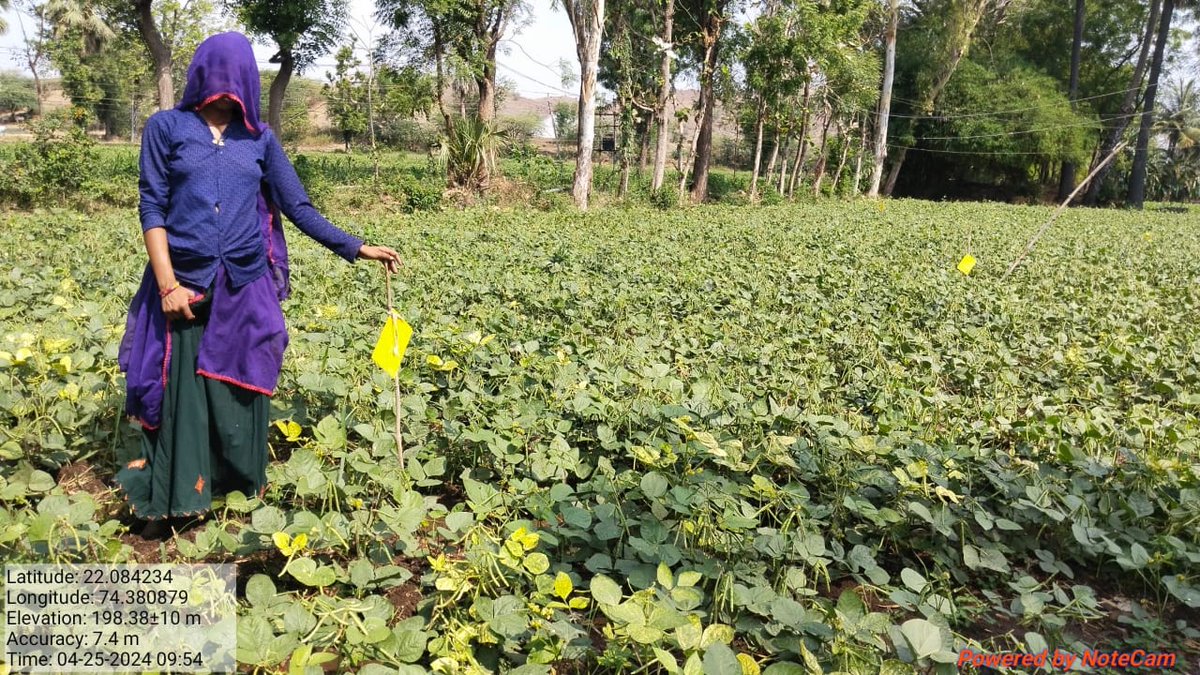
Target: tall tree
{"type": "Point", "coordinates": [587, 23]}
{"type": "Point", "coordinates": [770, 42]}
{"type": "Point", "coordinates": [958, 19]}
{"type": "Point", "coordinates": [35, 43]}
{"type": "Point", "coordinates": [301, 29]}
{"type": "Point", "coordinates": [709, 20]}
{"type": "Point", "coordinates": [885, 96]}
{"type": "Point", "coordinates": [661, 122]}
{"type": "Point", "coordinates": [624, 53]}
{"type": "Point", "coordinates": [160, 52]}
{"type": "Point", "coordinates": [1067, 182]}
{"type": "Point", "coordinates": [1137, 176]}
{"type": "Point", "coordinates": [458, 35]}
{"type": "Point", "coordinates": [1128, 104]}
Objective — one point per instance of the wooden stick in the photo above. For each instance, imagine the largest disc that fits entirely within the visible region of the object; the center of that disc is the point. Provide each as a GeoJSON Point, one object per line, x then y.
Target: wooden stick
{"type": "Point", "coordinates": [1062, 207]}
{"type": "Point", "coordinates": [395, 346]}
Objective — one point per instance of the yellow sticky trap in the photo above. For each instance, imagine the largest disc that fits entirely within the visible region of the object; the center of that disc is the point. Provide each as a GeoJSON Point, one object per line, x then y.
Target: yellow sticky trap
{"type": "Point", "coordinates": [966, 264]}
{"type": "Point", "coordinates": [392, 343]}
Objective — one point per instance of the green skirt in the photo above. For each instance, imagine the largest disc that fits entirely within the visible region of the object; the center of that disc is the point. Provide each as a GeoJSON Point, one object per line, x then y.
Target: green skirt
{"type": "Point", "coordinates": [212, 439]}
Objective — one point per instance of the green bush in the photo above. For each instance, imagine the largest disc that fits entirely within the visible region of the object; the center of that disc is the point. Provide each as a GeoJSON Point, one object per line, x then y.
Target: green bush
{"type": "Point", "coordinates": [543, 173]}
{"type": "Point", "coordinates": [665, 197]}
{"type": "Point", "coordinates": [769, 196]}
{"type": "Point", "coordinates": [314, 179]}
{"type": "Point", "coordinates": [406, 134]}
{"type": "Point", "coordinates": [415, 194]}
{"type": "Point", "coordinates": [57, 164]}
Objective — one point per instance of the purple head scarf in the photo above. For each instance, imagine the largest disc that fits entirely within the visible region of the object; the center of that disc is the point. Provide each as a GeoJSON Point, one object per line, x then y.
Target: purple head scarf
{"type": "Point", "coordinates": [224, 65]}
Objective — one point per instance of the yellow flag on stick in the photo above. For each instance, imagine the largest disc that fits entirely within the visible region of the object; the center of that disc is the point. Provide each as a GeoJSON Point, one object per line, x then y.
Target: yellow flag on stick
{"type": "Point", "coordinates": [393, 341]}
{"type": "Point", "coordinates": [966, 264]}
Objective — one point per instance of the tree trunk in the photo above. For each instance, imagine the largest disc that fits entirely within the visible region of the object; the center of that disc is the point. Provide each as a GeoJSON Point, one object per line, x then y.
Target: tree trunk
{"type": "Point", "coordinates": [837, 175]}
{"type": "Point", "coordinates": [287, 64]}
{"type": "Point", "coordinates": [683, 166]}
{"type": "Point", "coordinates": [160, 53]}
{"type": "Point", "coordinates": [37, 90]}
{"type": "Point", "coordinates": [487, 93]}
{"type": "Point", "coordinates": [759, 120]}
{"type": "Point", "coordinates": [662, 128]}
{"type": "Point", "coordinates": [587, 21]}
{"type": "Point", "coordinates": [894, 172]}
{"type": "Point", "coordinates": [798, 164]}
{"type": "Point", "coordinates": [712, 29]}
{"type": "Point", "coordinates": [774, 157]}
{"type": "Point", "coordinates": [439, 55]}
{"type": "Point", "coordinates": [802, 146]}
{"type": "Point", "coordinates": [1128, 104]}
{"type": "Point", "coordinates": [858, 160]}
{"type": "Point", "coordinates": [644, 152]}
{"type": "Point", "coordinates": [822, 158]}
{"type": "Point", "coordinates": [1067, 184]}
{"type": "Point", "coordinates": [885, 99]}
{"type": "Point", "coordinates": [783, 167]}
{"type": "Point", "coordinates": [1137, 178]}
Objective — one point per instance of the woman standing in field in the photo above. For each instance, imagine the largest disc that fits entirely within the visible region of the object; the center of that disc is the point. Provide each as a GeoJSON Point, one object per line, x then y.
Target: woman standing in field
{"type": "Point", "coordinates": [205, 336]}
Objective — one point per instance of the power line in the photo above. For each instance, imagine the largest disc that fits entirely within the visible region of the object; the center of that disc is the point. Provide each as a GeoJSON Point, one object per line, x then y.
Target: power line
{"type": "Point", "coordinates": [534, 80]}
{"type": "Point", "coordinates": [944, 116]}
{"type": "Point", "coordinates": [1020, 132]}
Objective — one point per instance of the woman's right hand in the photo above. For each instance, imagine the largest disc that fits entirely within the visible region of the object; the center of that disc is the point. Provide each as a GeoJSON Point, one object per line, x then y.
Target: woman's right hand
{"type": "Point", "coordinates": [177, 304]}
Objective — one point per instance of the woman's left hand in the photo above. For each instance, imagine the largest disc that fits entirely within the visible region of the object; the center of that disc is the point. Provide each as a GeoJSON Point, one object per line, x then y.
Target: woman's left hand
{"type": "Point", "coordinates": [385, 255]}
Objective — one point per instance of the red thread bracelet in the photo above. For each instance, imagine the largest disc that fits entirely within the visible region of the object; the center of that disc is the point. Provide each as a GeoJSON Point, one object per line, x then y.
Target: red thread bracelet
{"type": "Point", "coordinates": [163, 294]}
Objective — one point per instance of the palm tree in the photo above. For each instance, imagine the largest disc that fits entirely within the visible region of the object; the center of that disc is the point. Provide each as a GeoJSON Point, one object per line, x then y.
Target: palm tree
{"type": "Point", "coordinates": [81, 15]}
{"type": "Point", "coordinates": [1137, 178]}
{"type": "Point", "coordinates": [1180, 117]}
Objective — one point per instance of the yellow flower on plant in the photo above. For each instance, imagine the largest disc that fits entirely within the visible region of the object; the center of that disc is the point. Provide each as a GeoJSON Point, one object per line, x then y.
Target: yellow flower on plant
{"type": "Point", "coordinates": [64, 365]}
{"type": "Point", "coordinates": [288, 545]}
{"type": "Point", "coordinates": [291, 430]}
{"type": "Point", "coordinates": [437, 364]}
{"type": "Point", "coordinates": [70, 392]}
{"type": "Point", "coordinates": [56, 345]}
{"type": "Point", "coordinates": [23, 354]}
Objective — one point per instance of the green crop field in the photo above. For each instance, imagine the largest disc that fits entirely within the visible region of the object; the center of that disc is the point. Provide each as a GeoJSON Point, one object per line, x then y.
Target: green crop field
{"type": "Point", "coordinates": [785, 439]}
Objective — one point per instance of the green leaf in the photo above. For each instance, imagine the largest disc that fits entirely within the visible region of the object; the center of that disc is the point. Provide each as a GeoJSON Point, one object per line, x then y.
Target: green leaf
{"type": "Point", "coordinates": [665, 578]}
{"type": "Point", "coordinates": [785, 668]}
{"type": "Point", "coordinates": [644, 634]}
{"type": "Point", "coordinates": [716, 634]}
{"type": "Point", "coordinates": [654, 485]}
{"type": "Point", "coordinates": [924, 638]}
{"type": "Point", "coordinates": [260, 590]}
{"type": "Point", "coordinates": [605, 590]}
{"type": "Point", "coordinates": [666, 660]}
{"type": "Point", "coordinates": [459, 520]}
{"type": "Point", "coordinates": [537, 562]}
{"type": "Point", "coordinates": [913, 580]}
{"type": "Point", "coordinates": [330, 433]}
{"type": "Point", "coordinates": [719, 659]}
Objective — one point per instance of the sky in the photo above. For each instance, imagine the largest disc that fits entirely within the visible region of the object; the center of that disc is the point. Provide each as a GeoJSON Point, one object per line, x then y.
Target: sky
{"type": "Point", "coordinates": [528, 55]}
